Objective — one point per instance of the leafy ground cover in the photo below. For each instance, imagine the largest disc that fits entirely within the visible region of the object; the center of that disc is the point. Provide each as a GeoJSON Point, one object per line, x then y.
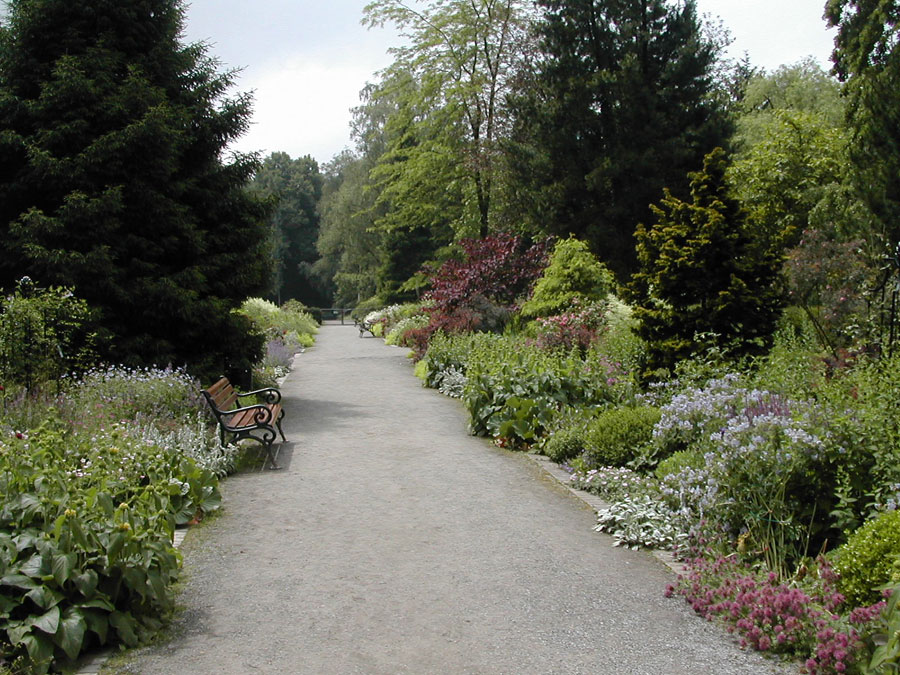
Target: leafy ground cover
{"type": "Point", "coordinates": [94, 481]}
{"type": "Point", "coordinates": [287, 329]}
{"type": "Point", "coordinates": [97, 470]}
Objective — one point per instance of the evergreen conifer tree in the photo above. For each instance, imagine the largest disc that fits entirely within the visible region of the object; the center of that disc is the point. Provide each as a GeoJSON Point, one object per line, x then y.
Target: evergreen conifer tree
{"type": "Point", "coordinates": [704, 280]}
{"type": "Point", "coordinates": [112, 136]}
{"type": "Point", "coordinates": [619, 108]}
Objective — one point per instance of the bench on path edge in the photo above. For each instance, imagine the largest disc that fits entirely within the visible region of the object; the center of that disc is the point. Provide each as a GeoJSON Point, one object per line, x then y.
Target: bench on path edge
{"type": "Point", "coordinates": [364, 326]}
{"type": "Point", "coordinates": [258, 421]}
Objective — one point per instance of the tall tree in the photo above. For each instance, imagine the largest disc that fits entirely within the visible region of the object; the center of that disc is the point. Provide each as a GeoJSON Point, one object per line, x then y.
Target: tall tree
{"type": "Point", "coordinates": [455, 74]}
{"type": "Point", "coordinates": [295, 185]}
{"type": "Point", "coordinates": [348, 244]}
{"type": "Point", "coordinates": [867, 59]}
{"type": "Point", "coordinates": [705, 278]}
{"type": "Point", "coordinates": [415, 183]}
{"type": "Point", "coordinates": [620, 107]}
{"type": "Point", "coordinates": [112, 135]}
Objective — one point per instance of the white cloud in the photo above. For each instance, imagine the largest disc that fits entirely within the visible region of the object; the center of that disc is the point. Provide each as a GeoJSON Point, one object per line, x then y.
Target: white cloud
{"type": "Point", "coordinates": [302, 107]}
{"type": "Point", "coordinates": [774, 32]}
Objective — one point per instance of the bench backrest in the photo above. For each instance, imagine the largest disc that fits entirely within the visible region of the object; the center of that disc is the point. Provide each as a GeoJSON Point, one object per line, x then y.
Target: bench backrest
{"type": "Point", "coordinates": [222, 395]}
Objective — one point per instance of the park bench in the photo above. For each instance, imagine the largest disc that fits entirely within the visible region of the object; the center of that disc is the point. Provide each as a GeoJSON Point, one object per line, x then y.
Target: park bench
{"type": "Point", "coordinates": [364, 326]}
{"type": "Point", "coordinates": [257, 421]}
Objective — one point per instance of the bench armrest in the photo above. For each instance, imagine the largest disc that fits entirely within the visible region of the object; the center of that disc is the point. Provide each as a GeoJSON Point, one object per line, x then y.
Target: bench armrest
{"type": "Point", "coordinates": [262, 413]}
{"type": "Point", "coordinates": [269, 394]}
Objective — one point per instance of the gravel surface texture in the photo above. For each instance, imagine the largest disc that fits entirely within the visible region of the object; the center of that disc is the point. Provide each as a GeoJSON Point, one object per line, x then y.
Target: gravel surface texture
{"type": "Point", "coordinates": [391, 541]}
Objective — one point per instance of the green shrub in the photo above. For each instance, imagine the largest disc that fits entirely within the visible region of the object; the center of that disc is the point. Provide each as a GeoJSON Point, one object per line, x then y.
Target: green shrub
{"type": "Point", "coordinates": [573, 273]}
{"type": "Point", "coordinates": [399, 329]}
{"type": "Point", "coordinates": [43, 335]}
{"type": "Point", "coordinates": [273, 320]}
{"type": "Point", "coordinates": [297, 307]}
{"type": "Point", "coordinates": [866, 561]}
{"type": "Point", "coordinates": [565, 444]}
{"type": "Point", "coordinates": [675, 464]}
{"type": "Point", "coordinates": [568, 433]}
{"type": "Point", "coordinates": [618, 435]}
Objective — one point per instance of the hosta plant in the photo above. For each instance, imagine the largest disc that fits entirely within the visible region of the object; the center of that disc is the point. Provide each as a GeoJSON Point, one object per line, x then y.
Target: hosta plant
{"type": "Point", "coordinates": [86, 553]}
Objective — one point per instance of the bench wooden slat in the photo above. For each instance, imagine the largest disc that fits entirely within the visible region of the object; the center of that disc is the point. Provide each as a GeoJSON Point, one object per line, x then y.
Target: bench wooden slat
{"type": "Point", "coordinates": [248, 418]}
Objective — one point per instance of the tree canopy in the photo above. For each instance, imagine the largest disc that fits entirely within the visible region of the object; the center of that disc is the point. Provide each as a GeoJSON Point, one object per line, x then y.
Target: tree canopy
{"type": "Point", "coordinates": [295, 186]}
{"type": "Point", "coordinates": [618, 108]}
{"type": "Point", "coordinates": [867, 59]}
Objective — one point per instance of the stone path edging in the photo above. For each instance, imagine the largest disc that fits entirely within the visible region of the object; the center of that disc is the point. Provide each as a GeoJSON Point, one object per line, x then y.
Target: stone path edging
{"type": "Point", "coordinates": [553, 470]}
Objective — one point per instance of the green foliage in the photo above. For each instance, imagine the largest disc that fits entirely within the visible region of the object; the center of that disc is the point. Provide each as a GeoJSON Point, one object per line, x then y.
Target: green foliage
{"type": "Point", "coordinates": [886, 636]}
{"type": "Point", "coordinates": [269, 318]}
{"type": "Point", "coordinates": [619, 341]}
{"type": "Point", "coordinates": [619, 108]}
{"type": "Point", "coordinates": [565, 444]}
{"type": "Point", "coordinates": [421, 370]}
{"type": "Point", "coordinates": [85, 552]}
{"type": "Point", "coordinates": [863, 400]}
{"type": "Point", "coordinates": [43, 335]}
{"type": "Point", "coordinates": [867, 59]}
{"type": "Point", "coordinates": [678, 462]}
{"type": "Point", "coordinates": [451, 82]}
{"type": "Point", "coordinates": [513, 390]}
{"type": "Point", "coordinates": [618, 435]}
{"type": "Point", "coordinates": [89, 499]}
{"type": "Point", "coordinates": [348, 245]}
{"type": "Point", "coordinates": [295, 185]}
{"type": "Point", "coordinates": [867, 561]}
{"type": "Point", "coordinates": [568, 434]}
{"type": "Point", "coordinates": [572, 274]}
{"type": "Point", "coordinates": [792, 171]}
{"type": "Point", "coordinates": [793, 367]}
{"type": "Point", "coordinates": [705, 280]}
{"type": "Point", "coordinates": [287, 330]}
{"type": "Point", "coordinates": [801, 87]}
{"type": "Point", "coordinates": [114, 183]}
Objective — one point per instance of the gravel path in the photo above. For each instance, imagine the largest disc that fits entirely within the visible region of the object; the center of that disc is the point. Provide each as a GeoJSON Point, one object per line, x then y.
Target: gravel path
{"type": "Point", "coordinates": [393, 542]}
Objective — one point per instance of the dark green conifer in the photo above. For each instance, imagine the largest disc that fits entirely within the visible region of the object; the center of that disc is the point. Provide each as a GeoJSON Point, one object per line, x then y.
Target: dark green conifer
{"type": "Point", "coordinates": [704, 279]}
{"type": "Point", "coordinates": [112, 136]}
{"type": "Point", "coordinates": [620, 107]}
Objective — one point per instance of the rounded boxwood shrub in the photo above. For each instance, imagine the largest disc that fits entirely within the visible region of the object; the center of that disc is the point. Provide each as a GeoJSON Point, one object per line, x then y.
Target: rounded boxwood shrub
{"type": "Point", "coordinates": [866, 561]}
{"type": "Point", "coordinates": [566, 444]}
{"type": "Point", "coordinates": [618, 435]}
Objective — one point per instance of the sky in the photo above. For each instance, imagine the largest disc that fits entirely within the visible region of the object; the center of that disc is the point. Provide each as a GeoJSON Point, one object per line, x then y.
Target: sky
{"type": "Point", "coordinates": [307, 60]}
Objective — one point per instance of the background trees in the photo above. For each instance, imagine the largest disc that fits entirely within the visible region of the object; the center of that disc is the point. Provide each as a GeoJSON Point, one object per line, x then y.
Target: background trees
{"type": "Point", "coordinates": [295, 186]}
{"type": "Point", "coordinates": [452, 82]}
{"type": "Point", "coordinates": [112, 135]}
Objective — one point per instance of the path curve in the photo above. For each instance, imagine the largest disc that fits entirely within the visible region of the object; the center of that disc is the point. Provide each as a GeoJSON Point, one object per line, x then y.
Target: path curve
{"type": "Point", "coordinates": [394, 542]}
